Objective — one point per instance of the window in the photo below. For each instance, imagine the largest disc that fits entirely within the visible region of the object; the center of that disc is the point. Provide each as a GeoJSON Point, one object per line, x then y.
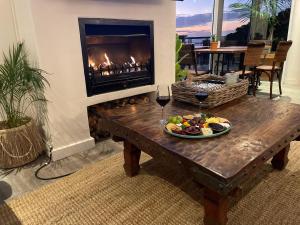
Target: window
{"type": "Point", "coordinates": [245, 20]}
{"type": "Point", "coordinates": [275, 22]}
{"type": "Point", "coordinates": [194, 20]}
{"type": "Point", "coordinates": [236, 22]}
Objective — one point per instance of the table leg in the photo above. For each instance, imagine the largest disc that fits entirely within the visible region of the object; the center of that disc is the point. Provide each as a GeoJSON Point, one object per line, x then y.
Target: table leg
{"type": "Point", "coordinates": [242, 57]}
{"type": "Point", "coordinates": [228, 62]}
{"type": "Point", "coordinates": [215, 208]}
{"type": "Point", "coordinates": [281, 159]}
{"type": "Point", "coordinates": [132, 159]}
{"type": "Point", "coordinates": [222, 70]}
{"type": "Point", "coordinates": [218, 62]}
{"type": "Point", "coordinates": [212, 63]}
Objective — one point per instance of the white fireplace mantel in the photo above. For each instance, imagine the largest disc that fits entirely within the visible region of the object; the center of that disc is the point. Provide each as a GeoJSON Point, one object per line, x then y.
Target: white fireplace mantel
{"type": "Point", "coordinates": [51, 33]}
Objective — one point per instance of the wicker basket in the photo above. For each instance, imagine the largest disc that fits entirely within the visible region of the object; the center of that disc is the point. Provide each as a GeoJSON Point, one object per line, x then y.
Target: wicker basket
{"type": "Point", "coordinates": [20, 145]}
{"type": "Point", "coordinates": [184, 91]}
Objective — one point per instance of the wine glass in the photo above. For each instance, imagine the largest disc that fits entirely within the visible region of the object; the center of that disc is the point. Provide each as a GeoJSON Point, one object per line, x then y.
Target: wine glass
{"type": "Point", "coordinates": [163, 98]}
{"type": "Point", "coordinates": [201, 97]}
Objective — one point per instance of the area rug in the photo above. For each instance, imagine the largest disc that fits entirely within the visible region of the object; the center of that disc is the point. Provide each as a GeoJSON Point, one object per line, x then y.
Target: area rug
{"type": "Point", "coordinates": [102, 194]}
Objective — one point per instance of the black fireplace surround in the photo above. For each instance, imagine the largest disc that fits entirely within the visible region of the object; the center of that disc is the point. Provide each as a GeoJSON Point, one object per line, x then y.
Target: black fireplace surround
{"type": "Point", "coordinates": [117, 54]}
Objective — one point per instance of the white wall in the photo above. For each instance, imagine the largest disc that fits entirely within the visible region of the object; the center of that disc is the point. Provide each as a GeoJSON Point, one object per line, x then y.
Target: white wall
{"type": "Point", "coordinates": [50, 30]}
{"type": "Point", "coordinates": [292, 67]}
{"type": "Point", "coordinates": [8, 34]}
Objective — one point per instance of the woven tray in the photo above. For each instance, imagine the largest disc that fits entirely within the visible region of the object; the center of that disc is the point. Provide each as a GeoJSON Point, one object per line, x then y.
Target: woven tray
{"type": "Point", "coordinates": [184, 91]}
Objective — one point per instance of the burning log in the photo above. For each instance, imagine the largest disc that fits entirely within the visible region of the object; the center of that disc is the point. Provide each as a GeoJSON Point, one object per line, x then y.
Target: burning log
{"type": "Point", "coordinates": [108, 68]}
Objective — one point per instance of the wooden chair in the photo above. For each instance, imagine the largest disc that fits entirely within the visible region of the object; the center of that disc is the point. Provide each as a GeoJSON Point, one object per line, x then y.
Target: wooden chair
{"type": "Point", "coordinates": [277, 66]}
{"type": "Point", "coordinates": [252, 60]}
{"type": "Point", "coordinates": [190, 60]}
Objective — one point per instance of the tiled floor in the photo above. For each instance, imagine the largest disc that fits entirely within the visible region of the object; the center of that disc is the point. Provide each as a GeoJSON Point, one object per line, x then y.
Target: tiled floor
{"type": "Point", "coordinates": [19, 182]}
{"type": "Point", "coordinates": [290, 93]}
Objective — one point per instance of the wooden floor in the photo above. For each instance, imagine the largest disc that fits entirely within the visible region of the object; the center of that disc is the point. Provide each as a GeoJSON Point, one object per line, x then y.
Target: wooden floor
{"type": "Point", "coordinates": [18, 182]}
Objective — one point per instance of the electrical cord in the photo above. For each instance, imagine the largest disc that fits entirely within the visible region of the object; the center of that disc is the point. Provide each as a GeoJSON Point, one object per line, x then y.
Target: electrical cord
{"type": "Point", "coordinates": [47, 164]}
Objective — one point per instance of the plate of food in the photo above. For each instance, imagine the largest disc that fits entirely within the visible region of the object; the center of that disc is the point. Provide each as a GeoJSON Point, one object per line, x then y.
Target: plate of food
{"type": "Point", "coordinates": [197, 126]}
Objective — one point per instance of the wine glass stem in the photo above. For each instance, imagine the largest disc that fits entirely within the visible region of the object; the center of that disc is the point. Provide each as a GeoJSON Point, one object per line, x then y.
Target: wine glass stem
{"type": "Point", "coordinates": [162, 113]}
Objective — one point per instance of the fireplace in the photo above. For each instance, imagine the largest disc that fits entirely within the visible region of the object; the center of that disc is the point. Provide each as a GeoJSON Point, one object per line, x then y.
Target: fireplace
{"type": "Point", "coordinates": [117, 54]}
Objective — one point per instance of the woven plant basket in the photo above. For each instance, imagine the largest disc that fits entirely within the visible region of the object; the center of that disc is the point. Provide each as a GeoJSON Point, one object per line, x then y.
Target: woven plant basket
{"type": "Point", "coordinates": [20, 145]}
{"type": "Point", "coordinates": [184, 91]}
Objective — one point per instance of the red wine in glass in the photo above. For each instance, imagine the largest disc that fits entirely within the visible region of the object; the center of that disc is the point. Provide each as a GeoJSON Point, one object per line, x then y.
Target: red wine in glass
{"type": "Point", "coordinates": [163, 98]}
{"type": "Point", "coordinates": [201, 97]}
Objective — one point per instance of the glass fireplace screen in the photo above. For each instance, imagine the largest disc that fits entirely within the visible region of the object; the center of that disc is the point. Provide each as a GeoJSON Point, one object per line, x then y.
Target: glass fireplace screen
{"type": "Point", "coordinates": [117, 54]}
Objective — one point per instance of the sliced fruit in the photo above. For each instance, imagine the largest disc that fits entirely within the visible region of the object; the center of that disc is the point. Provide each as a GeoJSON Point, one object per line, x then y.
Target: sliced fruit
{"type": "Point", "coordinates": [186, 124]}
{"type": "Point", "coordinates": [174, 120]}
{"type": "Point", "coordinates": [179, 119]}
{"type": "Point", "coordinates": [171, 126]}
{"type": "Point", "coordinates": [205, 125]}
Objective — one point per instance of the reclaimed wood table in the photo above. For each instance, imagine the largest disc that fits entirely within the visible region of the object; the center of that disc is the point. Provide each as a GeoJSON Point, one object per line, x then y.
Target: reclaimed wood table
{"type": "Point", "coordinates": [222, 51]}
{"type": "Point", "coordinates": [262, 130]}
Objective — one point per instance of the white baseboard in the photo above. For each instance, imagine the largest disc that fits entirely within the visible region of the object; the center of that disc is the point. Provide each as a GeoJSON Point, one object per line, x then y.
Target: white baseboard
{"type": "Point", "coordinates": [68, 150]}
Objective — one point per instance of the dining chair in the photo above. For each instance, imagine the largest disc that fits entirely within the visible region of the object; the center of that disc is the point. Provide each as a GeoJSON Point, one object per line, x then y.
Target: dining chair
{"type": "Point", "coordinates": [252, 60]}
{"type": "Point", "coordinates": [277, 65]}
{"type": "Point", "coordinates": [265, 58]}
{"type": "Point", "coordinates": [189, 59]}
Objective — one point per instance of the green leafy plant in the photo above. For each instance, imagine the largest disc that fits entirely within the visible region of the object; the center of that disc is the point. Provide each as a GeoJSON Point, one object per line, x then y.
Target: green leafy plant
{"type": "Point", "coordinates": [263, 9]}
{"type": "Point", "coordinates": [179, 72]}
{"type": "Point", "coordinates": [21, 89]}
{"type": "Point", "coordinates": [214, 38]}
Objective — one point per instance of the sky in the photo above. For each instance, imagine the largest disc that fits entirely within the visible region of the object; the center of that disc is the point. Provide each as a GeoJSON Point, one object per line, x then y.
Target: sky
{"type": "Point", "coordinates": [194, 17]}
{"type": "Point", "coordinates": [192, 7]}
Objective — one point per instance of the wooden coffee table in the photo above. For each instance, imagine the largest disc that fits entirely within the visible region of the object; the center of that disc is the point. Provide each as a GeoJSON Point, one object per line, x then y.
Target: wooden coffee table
{"type": "Point", "coordinates": [262, 130]}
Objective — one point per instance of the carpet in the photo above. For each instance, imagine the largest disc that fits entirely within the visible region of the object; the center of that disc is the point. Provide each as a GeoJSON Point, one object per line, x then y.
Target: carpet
{"type": "Point", "coordinates": [102, 194]}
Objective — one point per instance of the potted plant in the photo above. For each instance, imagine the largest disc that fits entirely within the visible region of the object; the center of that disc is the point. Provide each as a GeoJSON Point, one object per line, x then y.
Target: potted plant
{"type": "Point", "coordinates": [214, 42]}
{"type": "Point", "coordinates": [22, 109]}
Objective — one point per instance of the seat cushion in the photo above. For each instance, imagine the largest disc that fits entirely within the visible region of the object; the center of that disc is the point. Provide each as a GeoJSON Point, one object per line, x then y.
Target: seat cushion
{"type": "Point", "coordinates": [267, 67]}
{"type": "Point", "coordinates": [193, 72]}
{"type": "Point", "coordinates": [247, 72]}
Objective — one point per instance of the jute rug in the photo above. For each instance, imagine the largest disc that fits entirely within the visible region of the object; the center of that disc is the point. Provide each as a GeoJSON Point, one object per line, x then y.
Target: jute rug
{"type": "Point", "coordinates": [102, 194]}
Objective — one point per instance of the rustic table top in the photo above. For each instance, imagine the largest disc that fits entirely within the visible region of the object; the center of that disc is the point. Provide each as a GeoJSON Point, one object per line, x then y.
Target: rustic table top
{"type": "Point", "coordinates": [261, 128]}
{"type": "Point", "coordinates": [231, 49]}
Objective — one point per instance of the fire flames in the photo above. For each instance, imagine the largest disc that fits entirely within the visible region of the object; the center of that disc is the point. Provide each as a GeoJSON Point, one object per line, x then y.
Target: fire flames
{"type": "Point", "coordinates": [108, 62]}
{"type": "Point", "coordinates": [107, 67]}
{"type": "Point", "coordinates": [132, 59]}
{"type": "Point", "coordinates": [92, 63]}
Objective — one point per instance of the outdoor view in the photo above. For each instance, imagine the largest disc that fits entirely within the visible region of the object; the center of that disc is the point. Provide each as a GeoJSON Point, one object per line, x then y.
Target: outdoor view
{"type": "Point", "coordinates": [269, 19]}
{"type": "Point", "coordinates": [194, 18]}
